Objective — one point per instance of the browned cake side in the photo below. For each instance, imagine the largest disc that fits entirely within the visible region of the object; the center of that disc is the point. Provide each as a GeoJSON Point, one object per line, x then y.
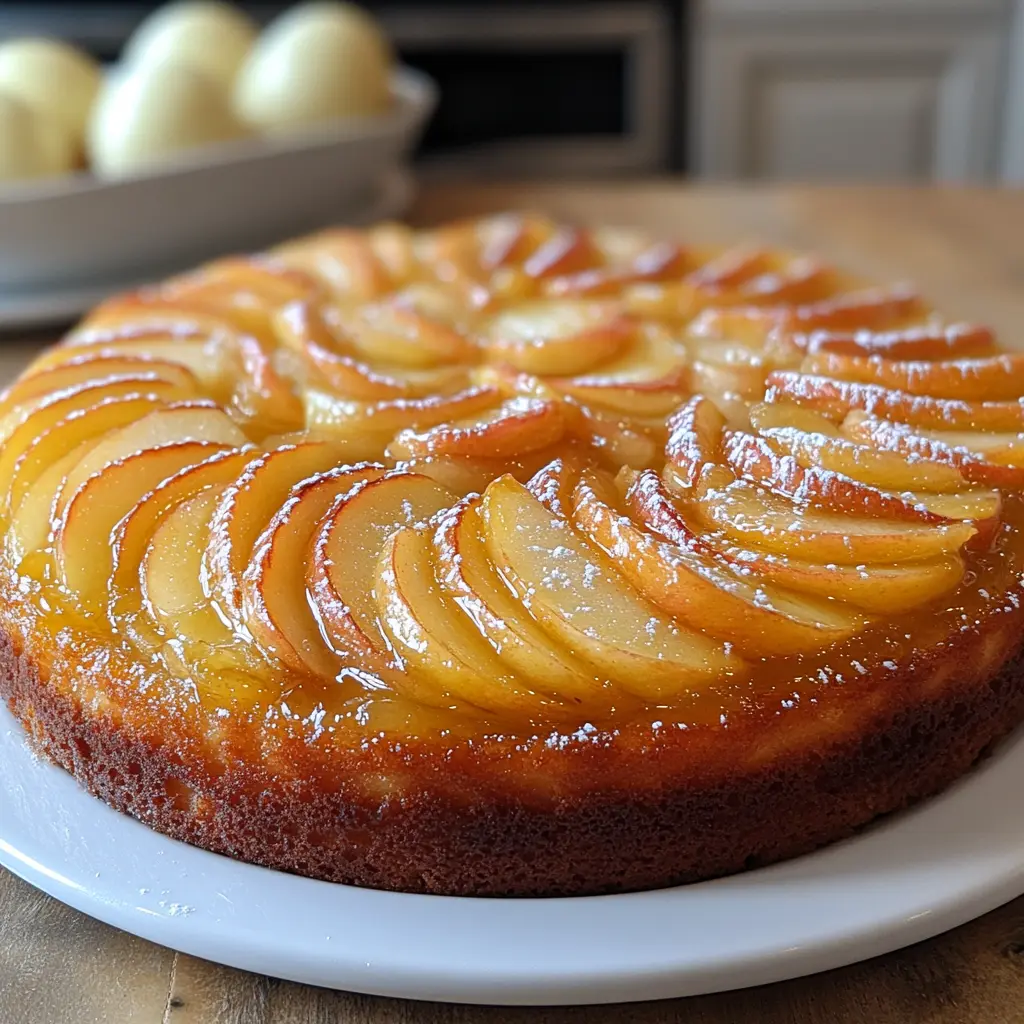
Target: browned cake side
{"type": "Point", "coordinates": [632, 816]}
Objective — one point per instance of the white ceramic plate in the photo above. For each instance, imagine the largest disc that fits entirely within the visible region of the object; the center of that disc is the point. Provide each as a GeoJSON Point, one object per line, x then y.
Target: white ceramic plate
{"type": "Point", "coordinates": [916, 875]}
{"type": "Point", "coordinates": [77, 231]}
{"type": "Point", "coordinates": [28, 310]}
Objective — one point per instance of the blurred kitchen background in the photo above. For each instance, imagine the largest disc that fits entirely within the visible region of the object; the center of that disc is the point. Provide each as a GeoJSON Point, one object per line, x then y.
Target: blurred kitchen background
{"type": "Point", "coordinates": [810, 90]}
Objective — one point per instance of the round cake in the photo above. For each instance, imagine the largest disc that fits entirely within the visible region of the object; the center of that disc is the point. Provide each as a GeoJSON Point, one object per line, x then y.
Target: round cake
{"type": "Point", "coordinates": [513, 558]}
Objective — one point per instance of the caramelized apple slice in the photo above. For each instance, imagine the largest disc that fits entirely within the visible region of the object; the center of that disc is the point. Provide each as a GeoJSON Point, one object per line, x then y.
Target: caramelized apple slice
{"type": "Point", "coordinates": [631, 262]}
{"type": "Point", "coordinates": [936, 447]}
{"type": "Point", "coordinates": [232, 368]}
{"type": "Point", "coordinates": [765, 416]}
{"type": "Point", "coordinates": [130, 538]}
{"type": "Point", "coordinates": [244, 290]}
{"type": "Point", "coordinates": [957, 341]}
{"type": "Point", "coordinates": [759, 618]}
{"type": "Point", "coordinates": [468, 577]}
{"type": "Point", "coordinates": [649, 502]}
{"type": "Point", "coordinates": [695, 440]}
{"type": "Point", "coordinates": [31, 526]}
{"type": "Point", "coordinates": [28, 394]}
{"type": "Point", "coordinates": [439, 647]}
{"type": "Point", "coordinates": [732, 267]}
{"type": "Point", "coordinates": [365, 383]}
{"type": "Point", "coordinates": [517, 425]}
{"type": "Point", "coordinates": [136, 314]}
{"type": "Point", "coordinates": [647, 499]}
{"type": "Point", "coordinates": [738, 277]}
{"type": "Point", "coordinates": [467, 475]}
{"type": "Point", "coordinates": [76, 431]}
{"type": "Point", "coordinates": [25, 423]}
{"type": "Point", "coordinates": [568, 251]}
{"type": "Point", "coordinates": [495, 243]}
{"type": "Point", "coordinates": [872, 308]}
{"type": "Point", "coordinates": [578, 597]}
{"type": "Point", "coordinates": [249, 504]}
{"type": "Point", "coordinates": [714, 283]}
{"type": "Point", "coordinates": [753, 458]}
{"type": "Point", "coordinates": [391, 332]}
{"type": "Point", "coordinates": [734, 370]}
{"type": "Point", "coordinates": [993, 378]}
{"type": "Point", "coordinates": [302, 328]}
{"type": "Point", "coordinates": [173, 594]}
{"type": "Point", "coordinates": [801, 281]}
{"type": "Point", "coordinates": [649, 379]}
{"type": "Point", "coordinates": [619, 439]}
{"type": "Point", "coordinates": [460, 475]}
{"type": "Point", "coordinates": [14, 417]}
{"type": "Point", "coordinates": [240, 372]}
{"type": "Point", "coordinates": [275, 607]}
{"type": "Point", "coordinates": [886, 470]}
{"type": "Point", "coordinates": [883, 589]}
{"type": "Point", "coordinates": [454, 302]}
{"type": "Point", "coordinates": [835, 398]}
{"type": "Point", "coordinates": [982, 509]}
{"type": "Point", "coordinates": [554, 484]}
{"type": "Point", "coordinates": [343, 260]}
{"type": "Point", "coordinates": [460, 242]}
{"type": "Point", "coordinates": [89, 369]}
{"type": "Point", "coordinates": [174, 424]}
{"type": "Point", "coordinates": [753, 517]}
{"type": "Point", "coordinates": [975, 505]}
{"type": "Point", "coordinates": [557, 337]}
{"type": "Point", "coordinates": [346, 550]}
{"type": "Point", "coordinates": [762, 328]}
{"type": "Point", "coordinates": [1000, 449]}
{"type": "Point", "coordinates": [628, 247]}
{"type": "Point", "coordinates": [83, 549]}
{"type": "Point", "coordinates": [394, 245]}
{"type": "Point", "coordinates": [261, 279]}
{"type": "Point", "coordinates": [385, 419]}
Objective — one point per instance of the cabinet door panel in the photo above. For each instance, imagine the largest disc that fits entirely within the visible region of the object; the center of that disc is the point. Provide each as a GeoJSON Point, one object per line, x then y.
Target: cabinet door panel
{"type": "Point", "coordinates": [843, 126]}
{"type": "Point", "coordinates": [847, 103]}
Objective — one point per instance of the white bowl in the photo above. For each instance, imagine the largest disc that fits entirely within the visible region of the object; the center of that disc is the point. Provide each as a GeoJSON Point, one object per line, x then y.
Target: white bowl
{"type": "Point", "coordinates": [57, 306]}
{"type": "Point", "coordinates": [79, 230]}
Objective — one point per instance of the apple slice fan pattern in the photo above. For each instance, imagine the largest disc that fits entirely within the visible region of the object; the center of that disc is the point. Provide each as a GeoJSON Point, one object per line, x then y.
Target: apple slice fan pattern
{"type": "Point", "coordinates": [512, 557]}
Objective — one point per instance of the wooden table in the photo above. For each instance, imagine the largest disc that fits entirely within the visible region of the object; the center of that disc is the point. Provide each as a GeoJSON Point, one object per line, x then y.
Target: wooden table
{"type": "Point", "coordinates": [965, 249]}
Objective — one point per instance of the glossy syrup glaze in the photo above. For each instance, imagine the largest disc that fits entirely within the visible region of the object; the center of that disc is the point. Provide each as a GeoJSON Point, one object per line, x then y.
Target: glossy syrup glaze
{"type": "Point", "coordinates": [991, 585]}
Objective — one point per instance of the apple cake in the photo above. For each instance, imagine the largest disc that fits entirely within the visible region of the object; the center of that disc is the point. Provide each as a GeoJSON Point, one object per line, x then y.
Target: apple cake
{"type": "Point", "coordinates": [513, 558]}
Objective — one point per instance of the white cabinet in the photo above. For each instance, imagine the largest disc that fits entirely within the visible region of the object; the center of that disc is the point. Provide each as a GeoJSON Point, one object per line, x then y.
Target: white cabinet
{"type": "Point", "coordinates": [1012, 156]}
{"type": "Point", "coordinates": [852, 91]}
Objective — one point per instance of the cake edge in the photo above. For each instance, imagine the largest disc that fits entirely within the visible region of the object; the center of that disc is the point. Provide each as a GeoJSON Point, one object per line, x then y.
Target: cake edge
{"type": "Point", "coordinates": [607, 842]}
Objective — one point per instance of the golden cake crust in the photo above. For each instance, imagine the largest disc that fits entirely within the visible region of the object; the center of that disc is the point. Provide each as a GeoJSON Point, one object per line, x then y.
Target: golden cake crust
{"type": "Point", "coordinates": [514, 559]}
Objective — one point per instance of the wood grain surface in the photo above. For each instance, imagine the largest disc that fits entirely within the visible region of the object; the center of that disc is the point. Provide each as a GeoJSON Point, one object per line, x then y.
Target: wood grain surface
{"type": "Point", "coordinates": [965, 250]}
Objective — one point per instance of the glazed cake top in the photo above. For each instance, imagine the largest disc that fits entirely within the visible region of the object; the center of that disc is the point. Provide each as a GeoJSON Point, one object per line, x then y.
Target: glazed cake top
{"type": "Point", "coordinates": [510, 471]}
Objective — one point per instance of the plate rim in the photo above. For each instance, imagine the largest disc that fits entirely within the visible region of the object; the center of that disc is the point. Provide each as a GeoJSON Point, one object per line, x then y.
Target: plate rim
{"type": "Point", "coordinates": [918, 903]}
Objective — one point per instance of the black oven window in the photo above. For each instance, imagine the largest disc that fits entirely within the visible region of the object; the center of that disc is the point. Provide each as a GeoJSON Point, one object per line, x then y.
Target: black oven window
{"type": "Point", "coordinates": [492, 95]}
